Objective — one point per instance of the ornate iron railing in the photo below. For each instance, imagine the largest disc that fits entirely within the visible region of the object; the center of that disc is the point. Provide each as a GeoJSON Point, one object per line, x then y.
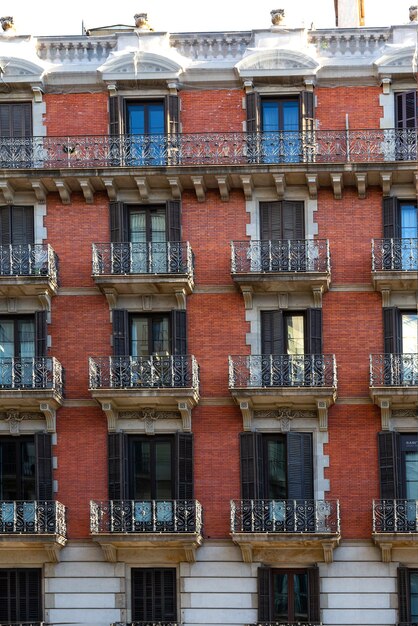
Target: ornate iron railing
{"type": "Point", "coordinates": [32, 517]}
{"type": "Point", "coordinates": [320, 146]}
{"type": "Point", "coordinates": [146, 516]}
{"type": "Point", "coordinates": [31, 373]}
{"type": "Point", "coordinates": [28, 260]}
{"type": "Point", "coordinates": [127, 372]}
{"type": "Point", "coordinates": [142, 258]}
{"type": "Point", "coordinates": [285, 255]}
{"type": "Point", "coordinates": [394, 370]}
{"type": "Point", "coordinates": [23, 624]}
{"type": "Point", "coordinates": [159, 623]}
{"type": "Point", "coordinates": [395, 516]}
{"type": "Point", "coordinates": [285, 516]}
{"type": "Point", "coordinates": [286, 624]}
{"type": "Point", "coordinates": [282, 370]}
{"type": "Point", "coordinates": [399, 255]}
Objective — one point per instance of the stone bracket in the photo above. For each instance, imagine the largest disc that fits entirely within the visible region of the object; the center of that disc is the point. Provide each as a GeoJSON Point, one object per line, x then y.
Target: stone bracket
{"type": "Point", "coordinates": [45, 300]}
{"type": "Point", "coordinates": [247, 552]}
{"type": "Point", "coordinates": [185, 408]}
{"type": "Point", "coordinates": [111, 297]}
{"type": "Point", "coordinates": [63, 190]}
{"type": "Point", "coordinates": [247, 414]}
{"type": "Point", "coordinates": [247, 293]}
{"type": "Point", "coordinates": [181, 298]}
{"type": "Point", "coordinates": [87, 189]}
{"type": "Point", "coordinates": [7, 191]}
{"type": "Point", "coordinates": [385, 414]}
{"type": "Point", "coordinates": [40, 191]}
{"type": "Point", "coordinates": [328, 549]}
{"type": "Point", "coordinates": [280, 182]}
{"type": "Point", "coordinates": [224, 187]}
{"type": "Point", "coordinates": [199, 187]}
{"type": "Point", "coordinates": [317, 296]}
{"type": "Point", "coordinates": [312, 182]}
{"type": "Point", "coordinates": [176, 187]}
{"type": "Point", "coordinates": [50, 416]}
{"type": "Point", "coordinates": [111, 414]}
{"type": "Point", "coordinates": [322, 408]}
{"type": "Point", "coordinates": [385, 289]}
{"type": "Point", "coordinates": [386, 550]}
{"type": "Point", "coordinates": [361, 180]}
{"type": "Point", "coordinates": [386, 182]}
{"type": "Point", "coordinates": [110, 552]}
{"type": "Point", "coordinates": [111, 188]}
{"type": "Point", "coordinates": [189, 552]}
{"type": "Point", "coordinates": [143, 187]}
{"type": "Point", "coordinates": [53, 552]}
{"type": "Point", "coordinates": [248, 186]}
{"type": "Point", "coordinates": [337, 185]}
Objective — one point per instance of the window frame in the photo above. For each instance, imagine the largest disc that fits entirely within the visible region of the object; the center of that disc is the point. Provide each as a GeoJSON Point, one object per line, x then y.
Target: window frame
{"type": "Point", "coordinates": [27, 616]}
{"type": "Point", "coordinates": [266, 597]}
{"type": "Point", "coordinates": [172, 617]}
{"type": "Point", "coordinates": [152, 441]}
{"type": "Point", "coordinates": [151, 318]}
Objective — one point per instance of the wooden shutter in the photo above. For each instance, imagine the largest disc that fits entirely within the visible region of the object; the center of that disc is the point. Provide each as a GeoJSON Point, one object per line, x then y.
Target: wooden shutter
{"type": "Point", "coordinates": [117, 470]}
{"type": "Point", "coordinates": [293, 220]}
{"type": "Point", "coordinates": [299, 466]}
{"type": "Point", "coordinates": [184, 466]}
{"type": "Point", "coordinates": [178, 332]}
{"type": "Point", "coordinates": [116, 125]}
{"type": "Point", "coordinates": [154, 595]}
{"type": "Point", "coordinates": [173, 218]}
{"type": "Point", "coordinates": [22, 225]}
{"type": "Point", "coordinates": [392, 330]}
{"type": "Point", "coordinates": [251, 462]}
{"type": "Point", "coordinates": [16, 119]}
{"type": "Point", "coordinates": [313, 591]}
{"type": "Point", "coordinates": [389, 464]}
{"type": "Point", "coordinates": [391, 225]}
{"type": "Point", "coordinates": [119, 228]}
{"type": "Point", "coordinates": [264, 594]}
{"type": "Point", "coordinates": [406, 109]}
{"type": "Point", "coordinates": [41, 334]}
{"type": "Point", "coordinates": [271, 221]}
{"type": "Point", "coordinates": [404, 616]}
{"type": "Point", "coordinates": [120, 319]}
{"type": "Point", "coordinates": [5, 226]}
{"type": "Point", "coordinates": [306, 106]}
{"type": "Point", "coordinates": [313, 343]}
{"type": "Point", "coordinates": [43, 448]}
{"type": "Point", "coordinates": [272, 332]}
{"type": "Point", "coordinates": [253, 112]}
{"type": "Point", "coordinates": [172, 107]}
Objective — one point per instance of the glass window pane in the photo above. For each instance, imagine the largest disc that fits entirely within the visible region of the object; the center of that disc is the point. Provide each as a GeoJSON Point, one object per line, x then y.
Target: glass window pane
{"type": "Point", "coordinates": [300, 596]}
{"type": "Point", "coordinates": [142, 471]}
{"type": "Point", "coordinates": [6, 338]}
{"type": "Point", "coordinates": [413, 580]}
{"type": "Point", "coordinates": [158, 227]}
{"type": "Point", "coordinates": [409, 221]}
{"type": "Point", "coordinates": [163, 471]}
{"type": "Point", "coordinates": [276, 469]}
{"type": "Point", "coordinates": [409, 333]}
{"type": "Point", "coordinates": [411, 472]}
{"type": "Point", "coordinates": [160, 336]}
{"type": "Point", "coordinates": [137, 226]}
{"type": "Point", "coordinates": [139, 336]}
{"type": "Point", "coordinates": [26, 338]}
{"type": "Point", "coordinates": [280, 597]}
{"type": "Point", "coordinates": [294, 326]}
{"type": "Point", "coordinates": [28, 463]}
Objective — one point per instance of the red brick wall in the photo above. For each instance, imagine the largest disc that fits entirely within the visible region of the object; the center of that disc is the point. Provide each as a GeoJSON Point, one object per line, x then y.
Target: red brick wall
{"type": "Point", "coordinates": [210, 111]}
{"type": "Point", "coordinates": [76, 114]}
{"type": "Point", "coordinates": [361, 104]}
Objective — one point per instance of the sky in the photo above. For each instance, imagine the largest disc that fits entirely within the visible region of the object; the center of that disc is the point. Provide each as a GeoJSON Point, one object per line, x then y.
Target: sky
{"type": "Point", "coordinates": [51, 17]}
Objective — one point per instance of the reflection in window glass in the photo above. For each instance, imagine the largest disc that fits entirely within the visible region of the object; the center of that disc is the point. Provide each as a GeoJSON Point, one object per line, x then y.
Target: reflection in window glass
{"type": "Point", "coordinates": [409, 333]}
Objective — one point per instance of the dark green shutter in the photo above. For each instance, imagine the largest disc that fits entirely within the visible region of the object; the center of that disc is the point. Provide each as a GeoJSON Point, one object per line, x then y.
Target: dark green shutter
{"type": "Point", "coordinates": [22, 225]}
{"type": "Point", "coordinates": [306, 105]}
{"type": "Point", "coordinates": [299, 466]}
{"type": "Point", "coordinates": [392, 330]}
{"type": "Point", "coordinates": [184, 466]}
{"type": "Point", "coordinates": [251, 463]}
{"type": "Point", "coordinates": [391, 226]}
{"type": "Point", "coordinates": [271, 221]}
{"type": "Point", "coordinates": [178, 332]}
{"type": "Point", "coordinates": [120, 320]}
{"type": "Point", "coordinates": [264, 594]}
{"type": "Point", "coordinates": [404, 596]}
{"type": "Point", "coordinates": [406, 109]}
{"type": "Point", "coordinates": [272, 332]}
{"type": "Point", "coordinates": [313, 591]}
{"type": "Point", "coordinates": [119, 228]}
{"type": "Point", "coordinates": [389, 465]}
{"type": "Point", "coordinates": [253, 112]}
{"type": "Point", "coordinates": [293, 220]}
{"type": "Point", "coordinates": [172, 106]}
{"type": "Point", "coordinates": [173, 218]}
{"type": "Point", "coordinates": [41, 334]}
{"type": "Point", "coordinates": [5, 226]}
{"type": "Point", "coordinates": [16, 119]}
{"type": "Point", "coordinates": [154, 595]}
{"type": "Point", "coordinates": [116, 115]}
{"type": "Point", "coordinates": [43, 448]}
{"type": "Point", "coordinates": [117, 471]}
{"type": "Point", "coordinates": [313, 344]}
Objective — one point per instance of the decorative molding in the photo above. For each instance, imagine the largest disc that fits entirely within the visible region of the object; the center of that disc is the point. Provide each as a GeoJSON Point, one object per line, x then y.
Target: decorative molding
{"type": "Point", "coordinates": [385, 413]}
{"type": "Point", "coordinates": [361, 184]}
{"type": "Point", "coordinates": [312, 182]}
{"type": "Point", "coordinates": [14, 417]}
{"type": "Point", "coordinates": [199, 187]}
{"type": "Point", "coordinates": [87, 189]}
{"type": "Point", "coordinates": [111, 188]}
{"type": "Point", "coordinates": [322, 407]}
{"type": "Point", "coordinates": [337, 185]}
{"type": "Point", "coordinates": [185, 408]}
{"type": "Point", "coordinates": [111, 297]}
{"type": "Point", "coordinates": [7, 191]}
{"type": "Point", "coordinates": [223, 185]}
{"type": "Point", "coordinates": [53, 552]}
{"type": "Point", "coordinates": [112, 416]}
{"type": "Point", "coordinates": [386, 182]}
{"type": "Point", "coordinates": [143, 187]}
{"type": "Point", "coordinates": [247, 414]}
{"type": "Point", "coordinates": [40, 191]}
{"type": "Point", "coordinates": [385, 290]}
{"type": "Point", "coordinates": [63, 190]}
{"type": "Point", "coordinates": [280, 61]}
{"type": "Point", "coordinates": [37, 94]}
{"type": "Point", "coordinates": [110, 553]}
{"type": "Point", "coordinates": [149, 416]}
{"type": "Point", "coordinates": [45, 300]}
{"type": "Point", "coordinates": [405, 413]}
{"type": "Point", "coordinates": [247, 186]}
{"type": "Point", "coordinates": [247, 293]}
{"type": "Point", "coordinates": [317, 296]}
{"type": "Point", "coordinates": [50, 414]}
{"type": "Point", "coordinates": [176, 187]}
{"type": "Point", "coordinates": [280, 182]}
{"type": "Point", "coordinates": [328, 548]}
{"type": "Point", "coordinates": [181, 298]}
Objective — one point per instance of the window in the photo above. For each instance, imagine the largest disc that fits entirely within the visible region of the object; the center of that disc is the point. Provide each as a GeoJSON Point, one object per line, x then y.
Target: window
{"type": "Point", "coordinates": [20, 595]}
{"type": "Point", "coordinates": [15, 124]}
{"type": "Point", "coordinates": [401, 346]}
{"type": "Point", "coordinates": [408, 595]}
{"type": "Point", "coordinates": [154, 595]}
{"type": "Point", "coordinates": [150, 334]}
{"type": "Point", "coordinates": [16, 237]}
{"type": "Point", "coordinates": [400, 224]}
{"type": "Point", "coordinates": [22, 340]}
{"type": "Point", "coordinates": [139, 235]}
{"type": "Point", "coordinates": [288, 595]}
{"type": "Point", "coordinates": [406, 122]}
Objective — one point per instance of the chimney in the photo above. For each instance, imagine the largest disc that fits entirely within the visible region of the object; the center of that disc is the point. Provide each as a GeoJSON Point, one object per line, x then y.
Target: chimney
{"type": "Point", "coordinates": [349, 13]}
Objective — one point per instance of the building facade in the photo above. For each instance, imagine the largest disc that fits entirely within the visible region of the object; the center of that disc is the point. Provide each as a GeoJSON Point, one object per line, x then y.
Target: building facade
{"type": "Point", "coordinates": [209, 326]}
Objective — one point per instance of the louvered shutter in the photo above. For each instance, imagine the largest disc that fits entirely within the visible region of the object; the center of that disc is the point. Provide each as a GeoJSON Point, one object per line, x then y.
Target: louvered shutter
{"type": "Point", "coordinates": [392, 330]}
{"type": "Point", "coordinates": [116, 125]}
{"type": "Point", "coordinates": [117, 466]}
{"type": "Point", "coordinates": [391, 225]}
{"type": "Point", "coordinates": [404, 596]}
{"type": "Point", "coordinates": [154, 595]}
{"type": "Point", "coordinates": [313, 344]}
{"type": "Point", "coordinates": [41, 334]}
{"type": "Point", "coordinates": [313, 594]}
{"type": "Point", "coordinates": [272, 332]}
{"type": "Point", "coordinates": [299, 466]}
{"type": "Point", "coordinates": [5, 594]}
{"type": "Point", "coordinates": [172, 107]}
{"type": "Point", "coordinates": [264, 594]}
{"type": "Point", "coordinates": [306, 105]}
{"type": "Point", "coordinates": [184, 466]}
{"type": "Point", "coordinates": [30, 595]}
{"type": "Point", "coordinates": [22, 225]}
{"type": "Point", "coordinates": [293, 220]}
{"type": "Point", "coordinates": [120, 320]}
{"type": "Point", "coordinates": [178, 332]}
{"type": "Point", "coordinates": [173, 218]}
{"type": "Point", "coordinates": [5, 226]}
{"type": "Point", "coordinates": [119, 228]}
{"type": "Point", "coordinates": [251, 463]}
{"type": "Point", "coordinates": [271, 221]}
{"type": "Point", "coordinates": [406, 109]}
{"type": "Point", "coordinates": [43, 448]}
{"type": "Point", "coordinates": [389, 465]}
{"type": "Point", "coordinates": [253, 112]}
{"type": "Point", "coordinates": [16, 119]}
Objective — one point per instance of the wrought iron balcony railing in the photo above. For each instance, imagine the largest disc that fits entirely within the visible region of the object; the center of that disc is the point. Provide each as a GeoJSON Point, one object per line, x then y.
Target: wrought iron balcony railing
{"type": "Point", "coordinates": [394, 370]}
{"type": "Point", "coordinates": [28, 260]}
{"type": "Point", "coordinates": [400, 255]}
{"type": "Point", "coordinates": [286, 255]}
{"type": "Point", "coordinates": [158, 623]}
{"type": "Point", "coordinates": [31, 373]}
{"type": "Point", "coordinates": [285, 516]}
{"type": "Point", "coordinates": [286, 624]}
{"type": "Point", "coordinates": [127, 372]}
{"type": "Point", "coordinates": [395, 516]}
{"type": "Point", "coordinates": [282, 370]}
{"type": "Point", "coordinates": [319, 146]}
{"type": "Point", "coordinates": [23, 624]}
{"type": "Point", "coordinates": [32, 517]}
{"type": "Point", "coordinates": [142, 258]}
{"type": "Point", "coordinates": [146, 516]}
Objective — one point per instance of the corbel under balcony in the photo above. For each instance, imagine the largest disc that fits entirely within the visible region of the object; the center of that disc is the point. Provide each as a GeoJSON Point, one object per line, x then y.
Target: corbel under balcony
{"type": "Point", "coordinates": [387, 412]}
{"type": "Point", "coordinates": [25, 404]}
{"type": "Point", "coordinates": [27, 548]}
{"type": "Point", "coordinates": [286, 414]}
{"type": "Point", "coordinates": [388, 542]}
{"type": "Point", "coordinates": [150, 548]}
{"type": "Point", "coordinates": [149, 415]}
{"type": "Point", "coordinates": [298, 548]}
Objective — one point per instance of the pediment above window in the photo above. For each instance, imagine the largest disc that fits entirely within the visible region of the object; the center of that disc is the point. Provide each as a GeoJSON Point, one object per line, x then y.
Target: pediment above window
{"type": "Point", "coordinates": [140, 65]}
{"type": "Point", "coordinates": [396, 61]}
{"type": "Point", "coordinates": [277, 62]}
{"type": "Point", "coordinates": [18, 70]}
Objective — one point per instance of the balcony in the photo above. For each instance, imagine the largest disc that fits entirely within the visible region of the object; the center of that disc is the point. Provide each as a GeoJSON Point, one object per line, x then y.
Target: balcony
{"type": "Point", "coordinates": [281, 265]}
{"type": "Point", "coordinates": [31, 384]}
{"type": "Point", "coordinates": [28, 270]}
{"type": "Point", "coordinates": [394, 382]}
{"type": "Point", "coordinates": [32, 526]}
{"type": "Point", "coordinates": [157, 383]}
{"type": "Point", "coordinates": [303, 381]}
{"type": "Point", "coordinates": [395, 525]}
{"type": "Point", "coordinates": [300, 531]}
{"type": "Point", "coordinates": [395, 264]}
{"type": "Point", "coordinates": [142, 268]}
{"type": "Point", "coordinates": [142, 529]}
